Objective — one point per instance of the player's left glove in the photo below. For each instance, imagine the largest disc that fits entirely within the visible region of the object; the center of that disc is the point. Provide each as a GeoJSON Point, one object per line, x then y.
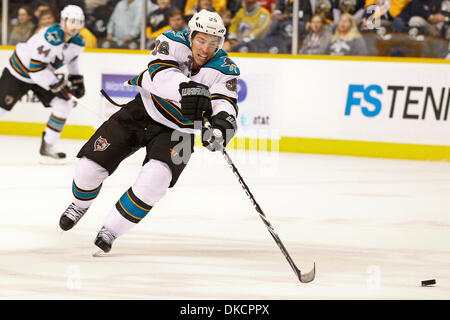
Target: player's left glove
{"type": "Point", "coordinates": [223, 128]}
{"type": "Point", "coordinates": [76, 85]}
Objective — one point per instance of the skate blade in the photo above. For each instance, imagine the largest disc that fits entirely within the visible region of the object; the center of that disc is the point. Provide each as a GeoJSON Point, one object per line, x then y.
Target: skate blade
{"type": "Point", "coordinates": [99, 254]}
{"type": "Point", "coordinates": [51, 161]}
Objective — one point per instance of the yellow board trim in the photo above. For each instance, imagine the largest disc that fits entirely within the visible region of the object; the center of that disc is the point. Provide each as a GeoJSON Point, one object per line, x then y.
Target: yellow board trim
{"type": "Point", "coordinates": [36, 129]}
{"type": "Point", "coordinates": [285, 144]}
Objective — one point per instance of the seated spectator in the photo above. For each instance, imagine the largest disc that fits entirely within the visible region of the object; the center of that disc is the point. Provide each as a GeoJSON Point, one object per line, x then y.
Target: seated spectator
{"type": "Point", "coordinates": [46, 19]}
{"type": "Point", "coordinates": [347, 41]}
{"type": "Point", "coordinates": [89, 38]}
{"type": "Point", "coordinates": [193, 6]}
{"type": "Point", "coordinates": [158, 21]}
{"type": "Point", "coordinates": [268, 4]}
{"type": "Point", "coordinates": [123, 28]}
{"type": "Point", "coordinates": [24, 29]}
{"type": "Point", "coordinates": [324, 8]}
{"type": "Point", "coordinates": [318, 38]}
{"type": "Point", "coordinates": [39, 6]}
{"type": "Point", "coordinates": [353, 7]}
{"type": "Point", "coordinates": [226, 16]}
{"type": "Point", "coordinates": [282, 16]}
{"type": "Point", "coordinates": [176, 21]}
{"type": "Point", "coordinates": [233, 6]}
{"type": "Point", "coordinates": [425, 15]}
{"type": "Point", "coordinates": [383, 10]}
{"type": "Point", "coordinates": [250, 22]}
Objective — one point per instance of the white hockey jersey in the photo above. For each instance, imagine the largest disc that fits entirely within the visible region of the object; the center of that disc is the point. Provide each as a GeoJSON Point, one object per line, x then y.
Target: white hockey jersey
{"type": "Point", "coordinates": [36, 60]}
{"type": "Point", "coordinates": [171, 64]}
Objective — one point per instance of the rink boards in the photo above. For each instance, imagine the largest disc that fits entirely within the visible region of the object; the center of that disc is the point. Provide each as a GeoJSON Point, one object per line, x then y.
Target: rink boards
{"type": "Point", "coordinates": [378, 107]}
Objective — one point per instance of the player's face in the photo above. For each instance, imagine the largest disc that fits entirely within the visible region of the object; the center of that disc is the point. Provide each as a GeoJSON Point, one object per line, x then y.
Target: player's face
{"type": "Point", "coordinates": [72, 27]}
{"type": "Point", "coordinates": [204, 47]}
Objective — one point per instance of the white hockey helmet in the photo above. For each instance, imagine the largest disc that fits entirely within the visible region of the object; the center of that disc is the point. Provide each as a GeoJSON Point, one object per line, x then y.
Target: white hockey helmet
{"type": "Point", "coordinates": [207, 22]}
{"type": "Point", "coordinates": [73, 16]}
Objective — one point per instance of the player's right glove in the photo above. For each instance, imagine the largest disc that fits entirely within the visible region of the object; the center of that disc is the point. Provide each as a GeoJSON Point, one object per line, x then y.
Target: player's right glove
{"type": "Point", "coordinates": [76, 85]}
{"type": "Point", "coordinates": [223, 128]}
{"type": "Point", "coordinates": [60, 89]}
{"type": "Point", "coordinates": [195, 100]}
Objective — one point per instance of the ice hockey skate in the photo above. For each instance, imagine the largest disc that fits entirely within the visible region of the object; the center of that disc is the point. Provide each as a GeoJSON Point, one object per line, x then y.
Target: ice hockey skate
{"type": "Point", "coordinates": [104, 241]}
{"type": "Point", "coordinates": [49, 156]}
{"type": "Point", "coordinates": [71, 216]}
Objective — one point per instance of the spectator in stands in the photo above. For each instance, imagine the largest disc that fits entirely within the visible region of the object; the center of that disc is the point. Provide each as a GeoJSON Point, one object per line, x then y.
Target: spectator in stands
{"type": "Point", "coordinates": [347, 41]}
{"type": "Point", "coordinates": [324, 8]}
{"type": "Point", "coordinates": [158, 21]}
{"type": "Point", "coordinates": [176, 20]}
{"type": "Point", "coordinates": [251, 22]}
{"type": "Point", "coordinates": [353, 7]}
{"type": "Point", "coordinates": [318, 38]}
{"type": "Point", "coordinates": [425, 15]}
{"type": "Point", "coordinates": [227, 17]}
{"type": "Point", "coordinates": [24, 29]}
{"type": "Point", "coordinates": [39, 6]}
{"type": "Point", "coordinates": [193, 6]}
{"type": "Point", "coordinates": [234, 6]}
{"type": "Point", "coordinates": [46, 18]}
{"type": "Point", "coordinates": [124, 25]}
{"type": "Point", "coordinates": [282, 16]}
{"type": "Point", "coordinates": [89, 38]}
{"type": "Point", "coordinates": [385, 11]}
{"type": "Point", "coordinates": [268, 4]}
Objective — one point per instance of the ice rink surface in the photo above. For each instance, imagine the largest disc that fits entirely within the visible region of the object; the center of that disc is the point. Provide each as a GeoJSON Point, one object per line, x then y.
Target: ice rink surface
{"type": "Point", "coordinates": [374, 227]}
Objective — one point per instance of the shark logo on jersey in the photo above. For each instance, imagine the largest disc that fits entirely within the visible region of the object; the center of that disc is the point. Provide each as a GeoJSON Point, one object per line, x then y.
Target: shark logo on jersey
{"type": "Point", "coordinates": [188, 63]}
{"type": "Point", "coordinates": [101, 144]}
{"type": "Point", "coordinates": [52, 37]}
{"type": "Point", "coordinates": [230, 64]}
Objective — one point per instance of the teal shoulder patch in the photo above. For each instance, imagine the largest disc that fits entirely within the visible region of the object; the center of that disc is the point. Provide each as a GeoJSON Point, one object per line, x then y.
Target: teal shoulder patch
{"type": "Point", "coordinates": [78, 40]}
{"type": "Point", "coordinates": [223, 63]}
{"type": "Point", "coordinates": [180, 36]}
{"type": "Point", "coordinates": [54, 35]}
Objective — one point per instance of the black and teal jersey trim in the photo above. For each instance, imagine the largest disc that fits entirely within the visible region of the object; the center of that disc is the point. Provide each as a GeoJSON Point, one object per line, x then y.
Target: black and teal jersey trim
{"type": "Point", "coordinates": [233, 101]}
{"type": "Point", "coordinates": [131, 207]}
{"type": "Point", "coordinates": [18, 66]}
{"type": "Point", "coordinates": [159, 65]}
{"type": "Point", "coordinates": [221, 62]}
{"type": "Point", "coordinates": [54, 35]}
{"type": "Point", "coordinates": [153, 68]}
{"type": "Point", "coordinates": [180, 36]}
{"type": "Point", "coordinates": [171, 112]}
{"type": "Point", "coordinates": [36, 65]}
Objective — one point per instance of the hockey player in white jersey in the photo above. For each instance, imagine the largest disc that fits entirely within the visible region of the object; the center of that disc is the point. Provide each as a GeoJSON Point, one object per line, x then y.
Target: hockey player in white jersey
{"type": "Point", "coordinates": [32, 67]}
{"type": "Point", "coordinates": [188, 77]}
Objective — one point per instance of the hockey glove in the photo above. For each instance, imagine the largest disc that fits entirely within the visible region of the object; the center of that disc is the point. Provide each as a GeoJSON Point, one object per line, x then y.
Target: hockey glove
{"type": "Point", "coordinates": [76, 85]}
{"type": "Point", "coordinates": [223, 128]}
{"type": "Point", "coordinates": [60, 89]}
{"type": "Point", "coordinates": [195, 100]}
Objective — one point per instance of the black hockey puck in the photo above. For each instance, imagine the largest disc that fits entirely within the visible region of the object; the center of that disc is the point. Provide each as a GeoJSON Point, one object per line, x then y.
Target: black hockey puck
{"type": "Point", "coordinates": [428, 282]}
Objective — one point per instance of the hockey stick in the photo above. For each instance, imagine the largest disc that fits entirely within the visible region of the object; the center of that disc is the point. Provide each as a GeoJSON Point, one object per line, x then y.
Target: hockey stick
{"type": "Point", "coordinates": [303, 277]}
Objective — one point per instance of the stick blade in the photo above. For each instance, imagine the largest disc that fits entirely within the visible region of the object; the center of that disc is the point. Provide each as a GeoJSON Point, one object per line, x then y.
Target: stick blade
{"type": "Point", "coordinates": [309, 276]}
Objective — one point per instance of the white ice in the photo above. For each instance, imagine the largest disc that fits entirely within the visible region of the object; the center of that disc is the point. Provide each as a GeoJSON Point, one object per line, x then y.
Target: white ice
{"type": "Point", "coordinates": [375, 228]}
